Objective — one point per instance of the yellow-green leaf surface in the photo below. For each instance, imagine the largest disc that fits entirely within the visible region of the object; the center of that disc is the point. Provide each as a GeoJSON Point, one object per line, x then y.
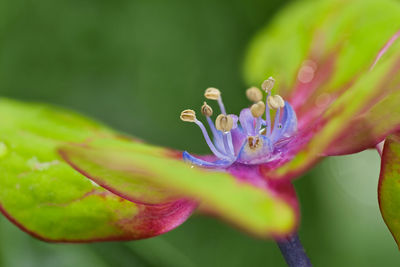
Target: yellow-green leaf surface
{"type": "Point", "coordinates": [349, 32]}
{"type": "Point", "coordinates": [338, 118]}
{"type": "Point", "coordinates": [255, 210]}
{"type": "Point", "coordinates": [47, 198]}
{"type": "Point", "coordinates": [389, 185]}
{"type": "Point", "coordinates": [321, 54]}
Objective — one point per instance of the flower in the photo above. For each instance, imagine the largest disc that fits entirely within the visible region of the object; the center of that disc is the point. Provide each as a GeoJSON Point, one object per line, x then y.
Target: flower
{"type": "Point", "coordinates": [341, 88]}
{"type": "Point", "coordinates": [252, 142]}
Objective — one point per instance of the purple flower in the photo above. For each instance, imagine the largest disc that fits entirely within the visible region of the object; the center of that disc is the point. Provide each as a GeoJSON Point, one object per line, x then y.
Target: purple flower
{"type": "Point", "coordinates": [337, 67]}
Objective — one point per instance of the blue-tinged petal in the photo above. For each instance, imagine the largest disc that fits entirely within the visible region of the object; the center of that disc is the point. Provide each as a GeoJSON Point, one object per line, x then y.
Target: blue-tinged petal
{"type": "Point", "coordinates": [238, 139]}
{"type": "Point", "coordinates": [235, 120]}
{"type": "Point", "coordinates": [247, 121]}
{"type": "Point", "coordinates": [205, 164]}
{"type": "Point", "coordinates": [256, 150]}
{"type": "Point", "coordinates": [219, 143]}
{"type": "Point", "coordinates": [289, 124]}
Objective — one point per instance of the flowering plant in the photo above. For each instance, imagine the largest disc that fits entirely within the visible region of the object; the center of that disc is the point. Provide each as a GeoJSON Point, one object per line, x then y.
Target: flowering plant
{"type": "Point", "coordinates": [341, 89]}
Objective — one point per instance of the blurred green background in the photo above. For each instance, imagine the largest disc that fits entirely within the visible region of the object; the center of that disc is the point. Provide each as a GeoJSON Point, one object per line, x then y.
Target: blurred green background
{"type": "Point", "coordinates": [135, 64]}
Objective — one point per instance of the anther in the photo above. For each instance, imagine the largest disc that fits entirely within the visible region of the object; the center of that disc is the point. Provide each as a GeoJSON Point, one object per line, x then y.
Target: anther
{"type": "Point", "coordinates": [206, 110]}
{"type": "Point", "coordinates": [257, 109]}
{"type": "Point", "coordinates": [254, 94]}
{"type": "Point", "coordinates": [188, 115]}
{"type": "Point", "coordinates": [212, 93]}
{"type": "Point", "coordinates": [224, 123]}
{"type": "Point", "coordinates": [268, 84]}
{"type": "Point", "coordinates": [275, 102]}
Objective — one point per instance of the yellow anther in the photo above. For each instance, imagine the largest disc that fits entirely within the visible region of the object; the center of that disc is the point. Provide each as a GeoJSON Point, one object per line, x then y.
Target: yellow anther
{"type": "Point", "coordinates": [188, 115]}
{"type": "Point", "coordinates": [268, 84]}
{"type": "Point", "coordinates": [257, 109]}
{"type": "Point", "coordinates": [212, 93]}
{"type": "Point", "coordinates": [224, 123]}
{"type": "Point", "coordinates": [275, 102]}
{"type": "Point", "coordinates": [254, 94]}
{"type": "Point", "coordinates": [206, 110]}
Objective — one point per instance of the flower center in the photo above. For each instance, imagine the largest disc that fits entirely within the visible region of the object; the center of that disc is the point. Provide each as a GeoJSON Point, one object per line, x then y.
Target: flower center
{"type": "Point", "coordinates": [253, 142]}
{"type": "Point", "coordinates": [254, 138]}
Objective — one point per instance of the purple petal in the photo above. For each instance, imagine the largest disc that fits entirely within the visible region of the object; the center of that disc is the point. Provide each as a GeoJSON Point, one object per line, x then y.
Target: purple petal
{"type": "Point", "coordinates": [247, 121]}
{"type": "Point", "coordinates": [219, 164]}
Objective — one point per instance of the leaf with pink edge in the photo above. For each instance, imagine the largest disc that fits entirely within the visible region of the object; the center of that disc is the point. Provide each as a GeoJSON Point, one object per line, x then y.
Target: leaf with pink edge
{"type": "Point", "coordinates": [389, 185]}
{"type": "Point", "coordinates": [327, 48]}
{"type": "Point", "coordinates": [48, 199]}
{"type": "Point", "coordinates": [329, 42]}
{"type": "Point", "coordinates": [312, 143]}
{"type": "Point", "coordinates": [258, 211]}
{"type": "Point", "coordinates": [340, 72]}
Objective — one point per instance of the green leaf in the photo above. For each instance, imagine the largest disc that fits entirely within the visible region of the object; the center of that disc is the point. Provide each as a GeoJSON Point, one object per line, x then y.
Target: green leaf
{"type": "Point", "coordinates": [255, 210]}
{"type": "Point", "coordinates": [337, 120]}
{"type": "Point", "coordinates": [389, 185]}
{"type": "Point", "coordinates": [321, 54]}
{"type": "Point", "coordinates": [341, 37]}
{"type": "Point", "coordinates": [47, 198]}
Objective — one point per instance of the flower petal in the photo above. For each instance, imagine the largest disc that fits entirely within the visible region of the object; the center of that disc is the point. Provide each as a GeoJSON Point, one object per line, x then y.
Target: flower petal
{"type": "Point", "coordinates": [48, 199]}
{"type": "Point", "coordinates": [389, 185]}
{"type": "Point", "coordinates": [258, 211]}
{"type": "Point", "coordinates": [289, 124]}
{"type": "Point", "coordinates": [217, 164]}
{"type": "Point", "coordinates": [247, 121]}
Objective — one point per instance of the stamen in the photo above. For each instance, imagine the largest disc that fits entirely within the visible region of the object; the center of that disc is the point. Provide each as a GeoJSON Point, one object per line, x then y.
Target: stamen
{"type": "Point", "coordinates": [209, 142]}
{"type": "Point", "coordinates": [276, 121]}
{"type": "Point", "coordinates": [275, 102]}
{"type": "Point", "coordinates": [224, 123]}
{"type": "Point", "coordinates": [214, 94]}
{"type": "Point", "coordinates": [225, 139]}
{"type": "Point", "coordinates": [268, 126]}
{"type": "Point", "coordinates": [268, 84]}
{"type": "Point", "coordinates": [254, 142]}
{"type": "Point", "coordinates": [254, 94]}
{"type": "Point", "coordinates": [216, 134]}
{"type": "Point", "coordinates": [188, 115]}
{"type": "Point", "coordinates": [257, 110]}
{"type": "Point", "coordinates": [206, 110]}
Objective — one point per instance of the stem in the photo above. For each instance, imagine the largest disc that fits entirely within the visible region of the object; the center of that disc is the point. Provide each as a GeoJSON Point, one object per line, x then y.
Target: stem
{"type": "Point", "coordinates": [293, 252]}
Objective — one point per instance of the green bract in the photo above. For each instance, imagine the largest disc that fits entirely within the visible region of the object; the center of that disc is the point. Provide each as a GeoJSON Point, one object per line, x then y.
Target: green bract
{"type": "Point", "coordinates": [248, 207]}
{"type": "Point", "coordinates": [322, 54]}
{"type": "Point", "coordinates": [341, 69]}
{"type": "Point", "coordinates": [50, 200]}
{"type": "Point", "coordinates": [389, 185]}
